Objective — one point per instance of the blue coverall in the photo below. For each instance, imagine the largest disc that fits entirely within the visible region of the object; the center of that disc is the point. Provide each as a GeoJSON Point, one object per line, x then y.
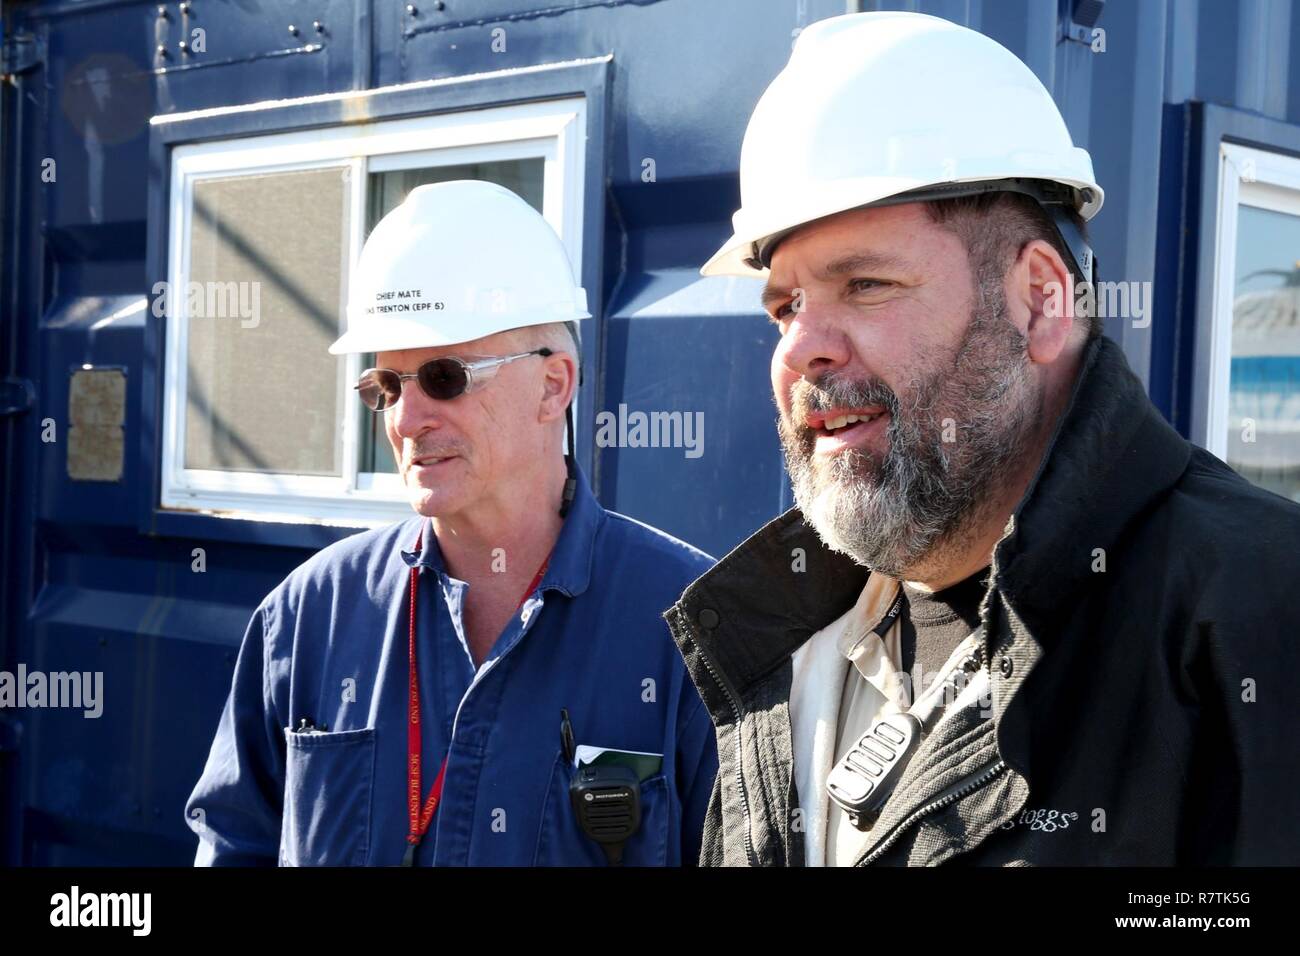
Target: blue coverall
{"type": "Point", "coordinates": [330, 645]}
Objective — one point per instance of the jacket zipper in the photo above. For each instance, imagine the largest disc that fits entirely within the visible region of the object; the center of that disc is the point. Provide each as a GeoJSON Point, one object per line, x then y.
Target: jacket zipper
{"type": "Point", "coordinates": [958, 790]}
{"type": "Point", "coordinates": [740, 780]}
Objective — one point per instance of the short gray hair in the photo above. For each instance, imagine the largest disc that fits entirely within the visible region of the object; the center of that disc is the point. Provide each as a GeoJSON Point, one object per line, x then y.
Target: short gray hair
{"type": "Point", "coordinates": [996, 226]}
{"type": "Point", "coordinates": [556, 336]}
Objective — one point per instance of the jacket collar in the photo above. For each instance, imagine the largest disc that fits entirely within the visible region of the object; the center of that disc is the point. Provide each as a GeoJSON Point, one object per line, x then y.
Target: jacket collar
{"type": "Point", "coordinates": [569, 569]}
{"type": "Point", "coordinates": [1110, 455]}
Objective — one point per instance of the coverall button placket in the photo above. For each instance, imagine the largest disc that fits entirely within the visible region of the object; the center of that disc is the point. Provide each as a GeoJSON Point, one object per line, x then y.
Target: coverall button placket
{"type": "Point", "coordinates": [470, 728]}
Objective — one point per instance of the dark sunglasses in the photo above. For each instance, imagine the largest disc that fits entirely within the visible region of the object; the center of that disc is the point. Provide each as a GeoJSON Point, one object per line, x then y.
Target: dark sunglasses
{"type": "Point", "coordinates": [443, 379]}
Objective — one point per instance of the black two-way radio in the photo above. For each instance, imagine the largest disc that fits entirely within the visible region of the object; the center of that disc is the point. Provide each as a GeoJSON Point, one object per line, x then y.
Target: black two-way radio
{"type": "Point", "coordinates": [606, 799]}
{"type": "Point", "coordinates": [607, 803]}
{"type": "Point", "coordinates": [864, 777]}
{"type": "Point", "coordinates": [862, 780]}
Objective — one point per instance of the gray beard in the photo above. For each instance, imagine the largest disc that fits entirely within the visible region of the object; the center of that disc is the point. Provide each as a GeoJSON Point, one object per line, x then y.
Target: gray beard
{"type": "Point", "coordinates": [926, 495]}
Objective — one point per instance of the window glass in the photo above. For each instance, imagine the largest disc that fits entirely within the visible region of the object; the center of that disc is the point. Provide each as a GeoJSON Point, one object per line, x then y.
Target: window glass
{"type": "Point", "coordinates": [267, 254]}
{"type": "Point", "coordinates": [1264, 384]}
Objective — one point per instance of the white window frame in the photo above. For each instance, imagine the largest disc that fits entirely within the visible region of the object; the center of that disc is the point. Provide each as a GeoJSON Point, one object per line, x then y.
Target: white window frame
{"type": "Point", "coordinates": [552, 130]}
{"type": "Point", "coordinates": [1247, 177]}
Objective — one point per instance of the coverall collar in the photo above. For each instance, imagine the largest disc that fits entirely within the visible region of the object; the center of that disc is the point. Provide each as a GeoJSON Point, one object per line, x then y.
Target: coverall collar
{"type": "Point", "coordinates": [569, 569]}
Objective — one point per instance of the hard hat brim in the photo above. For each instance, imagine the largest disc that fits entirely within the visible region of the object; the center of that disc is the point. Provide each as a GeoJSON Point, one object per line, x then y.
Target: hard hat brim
{"type": "Point", "coordinates": [399, 334]}
{"type": "Point", "coordinates": [732, 259]}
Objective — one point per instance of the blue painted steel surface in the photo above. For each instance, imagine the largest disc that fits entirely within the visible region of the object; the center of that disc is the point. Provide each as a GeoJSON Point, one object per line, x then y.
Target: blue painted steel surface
{"type": "Point", "coordinates": [92, 578]}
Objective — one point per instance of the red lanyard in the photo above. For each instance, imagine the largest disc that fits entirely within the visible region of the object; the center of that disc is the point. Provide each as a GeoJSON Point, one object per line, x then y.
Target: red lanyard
{"type": "Point", "coordinates": [420, 819]}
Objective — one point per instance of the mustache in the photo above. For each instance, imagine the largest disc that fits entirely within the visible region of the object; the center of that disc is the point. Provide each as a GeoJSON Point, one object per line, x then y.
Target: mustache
{"type": "Point", "coordinates": [435, 448]}
{"type": "Point", "coordinates": [835, 391]}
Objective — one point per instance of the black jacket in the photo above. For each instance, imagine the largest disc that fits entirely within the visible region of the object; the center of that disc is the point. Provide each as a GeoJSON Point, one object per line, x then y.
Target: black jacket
{"type": "Point", "coordinates": [1144, 714]}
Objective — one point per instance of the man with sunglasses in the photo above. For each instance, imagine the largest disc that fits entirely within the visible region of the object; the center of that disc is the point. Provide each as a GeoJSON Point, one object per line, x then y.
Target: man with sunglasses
{"type": "Point", "coordinates": [490, 681]}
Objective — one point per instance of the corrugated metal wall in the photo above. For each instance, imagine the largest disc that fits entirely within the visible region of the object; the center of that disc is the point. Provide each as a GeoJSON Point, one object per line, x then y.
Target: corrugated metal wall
{"type": "Point", "coordinates": [84, 590]}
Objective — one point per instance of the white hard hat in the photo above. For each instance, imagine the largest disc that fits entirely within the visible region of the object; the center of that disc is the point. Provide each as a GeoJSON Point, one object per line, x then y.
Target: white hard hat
{"type": "Point", "coordinates": [872, 106]}
{"type": "Point", "coordinates": [454, 262]}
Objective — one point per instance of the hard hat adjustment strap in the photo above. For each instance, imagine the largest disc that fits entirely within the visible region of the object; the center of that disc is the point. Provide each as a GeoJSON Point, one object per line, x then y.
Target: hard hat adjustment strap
{"type": "Point", "coordinates": [570, 483]}
{"type": "Point", "coordinates": [1085, 262]}
{"type": "Point", "coordinates": [1047, 191]}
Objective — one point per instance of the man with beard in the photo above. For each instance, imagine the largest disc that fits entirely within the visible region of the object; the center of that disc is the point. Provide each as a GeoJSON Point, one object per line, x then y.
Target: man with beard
{"type": "Point", "coordinates": [1014, 618]}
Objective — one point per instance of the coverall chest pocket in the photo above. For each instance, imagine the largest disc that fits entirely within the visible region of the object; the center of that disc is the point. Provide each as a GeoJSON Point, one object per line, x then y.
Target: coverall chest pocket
{"type": "Point", "coordinates": [328, 788]}
{"type": "Point", "coordinates": [561, 842]}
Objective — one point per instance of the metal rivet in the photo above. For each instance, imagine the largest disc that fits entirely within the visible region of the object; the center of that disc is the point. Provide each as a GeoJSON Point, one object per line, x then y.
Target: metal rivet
{"type": "Point", "coordinates": [293, 30]}
{"type": "Point", "coordinates": [184, 45]}
{"type": "Point", "coordinates": [1007, 667]}
{"type": "Point", "coordinates": [318, 26]}
{"type": "Point", "coordinates": [439, 5]}
{"type": "Point", "coordinates": [185, 7]}
{"type": "Point", "coordinates": [708, 618]}
{"type": "Point", "coordinates": [162, 13]}
{"type": "Point", "coordinates": [410, 10]}
{"type": "Point", "coordinates": [162, 50]}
